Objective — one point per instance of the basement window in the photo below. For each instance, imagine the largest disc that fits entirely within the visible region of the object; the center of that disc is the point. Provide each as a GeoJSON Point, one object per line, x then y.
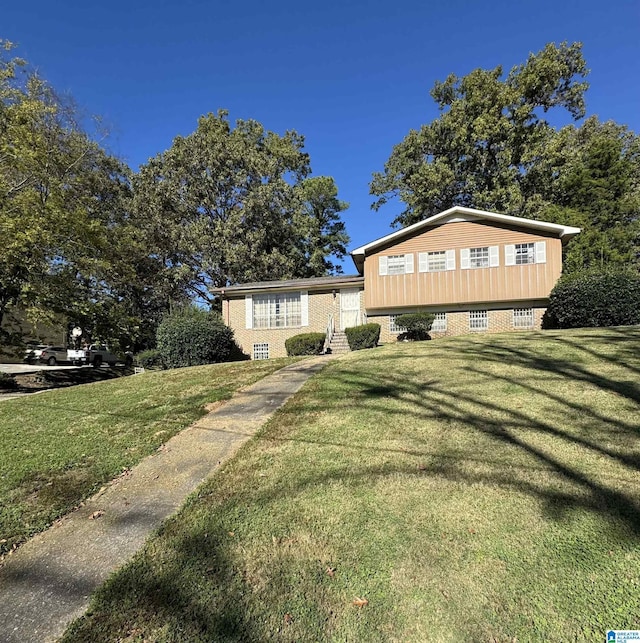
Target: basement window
{"type": "Point", "coordinates": [478, 320]}
{"type": "Point", "coordinates": [261, 351]}
{"type": "Point", "coordinates": [439, 323]}
{"type": "Point", "coordinates": [523, 317]}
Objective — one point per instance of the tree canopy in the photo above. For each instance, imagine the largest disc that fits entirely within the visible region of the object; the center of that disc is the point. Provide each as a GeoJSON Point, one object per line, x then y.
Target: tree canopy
{"type": "Point", "coordinates": [493, 147]}
{"type": "Point", "coordinates": [114, 250]}
{"type": "Point", "coordinates": [235, 204]}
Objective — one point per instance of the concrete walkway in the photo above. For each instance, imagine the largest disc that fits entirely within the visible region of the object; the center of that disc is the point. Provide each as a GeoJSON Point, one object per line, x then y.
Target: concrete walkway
{"type": "Point", "coordinates": [48, 581]}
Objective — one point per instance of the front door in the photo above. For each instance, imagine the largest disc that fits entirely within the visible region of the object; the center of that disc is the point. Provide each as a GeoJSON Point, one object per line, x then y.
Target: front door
{"type": "Point", "coordinates": [349, 308]}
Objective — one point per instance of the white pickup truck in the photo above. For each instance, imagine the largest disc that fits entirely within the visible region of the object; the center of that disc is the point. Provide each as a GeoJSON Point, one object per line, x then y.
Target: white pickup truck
{"type": "Point", "coordinates": [95, 355]}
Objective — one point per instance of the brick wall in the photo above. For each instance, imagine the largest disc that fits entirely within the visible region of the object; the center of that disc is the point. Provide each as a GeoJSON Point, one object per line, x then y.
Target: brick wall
{"type": "Point", "coordinates": [324, 302]}
{"type": "Point", "coordinates": [320, 305]}
{"type": "Point", "coordinates": [500, 321]}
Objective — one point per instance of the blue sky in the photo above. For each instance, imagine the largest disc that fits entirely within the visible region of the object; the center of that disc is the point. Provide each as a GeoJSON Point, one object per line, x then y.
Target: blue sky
{"type": "Point", "coordinates": [352, 77]}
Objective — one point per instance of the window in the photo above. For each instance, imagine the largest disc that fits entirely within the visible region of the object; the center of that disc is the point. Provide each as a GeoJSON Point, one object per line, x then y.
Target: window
{"type": "Point", "coordinates": [486, 257]}
{"type": "Point", "coordinates": [396, 265]}
{"type": "Point", "coordinates": [280, 310]}
{"type": "Point", "coordinates": [478, 320]}
{"type": "Point", "coordinates": [523, 317]}
{"type": "Point", "coordinates": [525, 253]}
{"type": "Point", "coordinates": [393, 327]}
{"type": "Point", "coordinates": [479, 257]}
{"type": "Point", "coordinates": [437, 261]}
{"type": "Point", "coordinates": [261, 351]}
{"type": "Point", "coordinates": [521, 254]}
{"type": "Point", "coordinates": [439, 323]}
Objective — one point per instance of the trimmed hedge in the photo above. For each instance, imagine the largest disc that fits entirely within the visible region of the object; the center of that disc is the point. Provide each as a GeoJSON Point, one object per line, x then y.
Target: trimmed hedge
{"type": "Point", "coordinates": [365, 336]}
{"type": "Point", "coordinates": [417, 325]}
{"type": "Point", "coordinates": [151, 358]}
{"type": "Point", "coordinates": [192, 336]}
{"type": "Point", "coordinates": [305, 344]}
{"type": "Point", "coordinates": [594, 299]}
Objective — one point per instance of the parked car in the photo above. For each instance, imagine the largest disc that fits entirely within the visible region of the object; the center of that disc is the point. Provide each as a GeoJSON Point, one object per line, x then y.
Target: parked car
{"type": "Point", "coordinates": [32, 352]}
{"type": "Point", "coordinates": [96, 355]}
{"type": "Point", "coordinates": [52, 355]}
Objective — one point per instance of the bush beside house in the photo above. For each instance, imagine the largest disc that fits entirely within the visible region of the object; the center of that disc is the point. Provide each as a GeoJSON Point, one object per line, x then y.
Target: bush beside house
{"type": "Point", "coordinates": [192, 336]}
{"type": "Point", "coordinates": [365, 336]}
{"type": "Point", "coordinates": [417, 325]}
{"type": "Point", "coordinates": [594, 299]}
{"type": "Point", "coordinates": [305, 344]}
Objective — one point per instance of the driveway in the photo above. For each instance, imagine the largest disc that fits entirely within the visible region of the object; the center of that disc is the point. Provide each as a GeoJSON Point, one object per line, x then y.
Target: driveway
{"type": "Point", "coordinates": [25, 369]}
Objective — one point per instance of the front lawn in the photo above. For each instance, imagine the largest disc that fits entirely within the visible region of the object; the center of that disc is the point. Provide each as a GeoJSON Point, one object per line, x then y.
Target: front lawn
{"type": "Point", "coordinates": [481, 488]}
{"type": "Point", "coordinates": [58, 447]}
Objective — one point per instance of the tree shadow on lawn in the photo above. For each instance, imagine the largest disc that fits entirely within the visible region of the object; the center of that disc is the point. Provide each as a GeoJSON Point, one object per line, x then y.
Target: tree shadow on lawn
{"type": "Point", "coordinates": [559, 483]}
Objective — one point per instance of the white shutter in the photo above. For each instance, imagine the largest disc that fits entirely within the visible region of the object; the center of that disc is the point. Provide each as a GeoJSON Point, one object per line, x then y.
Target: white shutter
{"type": "Point", "coordinates": [494, 256]}
{"type": "Point", "coordinates": [510, 255]}
{"type": "Point", "coordinates": [451, 259]}
{"type": "Point", "coordinates": [248, 310]}
{"type": "Point", "coordinates": [382, 266]}
{"type": "Point", "coordinates": [423, 262]}
{"type": "Point", "coordinates": [408, 263]}
{"type": "Point", "coordinates": [304, 308]}
{"type": "Point", "coordinates": [541, 252]}
{"type": "Point", "coordinates": [465, 261]}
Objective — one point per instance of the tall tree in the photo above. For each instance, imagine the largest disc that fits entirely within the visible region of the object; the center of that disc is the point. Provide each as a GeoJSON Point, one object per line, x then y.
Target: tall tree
{"type": "Point", "coordinates": [229, 204]}
{"type": "Point", "coordinates": [492, 148]}
{"type": "Point", "coordinates": [491, 132]}
{"type": "Point", "coordinates": [69, 244]}
{"type": "Point", "coordinates": [322, 232]}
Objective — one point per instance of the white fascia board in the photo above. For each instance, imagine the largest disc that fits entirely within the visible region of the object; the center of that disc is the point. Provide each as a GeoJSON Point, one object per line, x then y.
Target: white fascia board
{"type": "Point", "coordinates": [469, 214]}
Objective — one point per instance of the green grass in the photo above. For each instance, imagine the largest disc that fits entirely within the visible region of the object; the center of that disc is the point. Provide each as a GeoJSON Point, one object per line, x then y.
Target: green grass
{"type": "Point", "coordinates": [58, 447]}
{"type": "Point", "coordinates": [481, 488]}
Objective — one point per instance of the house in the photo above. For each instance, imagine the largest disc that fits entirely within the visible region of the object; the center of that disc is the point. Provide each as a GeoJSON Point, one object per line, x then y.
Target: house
{"type": "Point", "coordinates": [477, 271]}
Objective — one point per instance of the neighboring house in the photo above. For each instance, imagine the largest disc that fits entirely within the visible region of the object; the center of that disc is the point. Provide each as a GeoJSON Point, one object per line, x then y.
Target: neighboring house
{"type": "Point", "coordinates": [477, 271]}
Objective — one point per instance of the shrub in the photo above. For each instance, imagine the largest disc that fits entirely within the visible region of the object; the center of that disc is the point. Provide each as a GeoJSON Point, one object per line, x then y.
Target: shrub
{"type": "Point", "coordinates": [365, 336]}
{"type": "Point", "coordinates": [192, 336]}
{"type": "Point", "coordinates": [7, 381]}
{"type": "Point", "coordinates": [305, 344]}
{"type": "Point", "coordinates": [594, 299]}
{"type": "Point", "coordinates": [417, 325]}
{"type": "Point", "coordinates": [151, 358]}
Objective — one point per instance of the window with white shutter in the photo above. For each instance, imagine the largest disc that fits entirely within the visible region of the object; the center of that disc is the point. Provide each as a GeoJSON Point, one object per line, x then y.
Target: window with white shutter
{"type": "Point", "coordinates": [396, 264]}
{"type": "Point", "coordinates": [277, 310]}
{"type": "Point", "coordinates": [479, 257]}
{"type": "Point", "coordinates": [248, 311]}
{"type": "Point", "coordinates": [494, 256]}
{"type": "Point", "coordinates": [541, 252]}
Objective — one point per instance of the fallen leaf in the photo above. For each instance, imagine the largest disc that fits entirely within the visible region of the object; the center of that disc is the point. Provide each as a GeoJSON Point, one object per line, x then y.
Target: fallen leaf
{"type": "Point", "coordinates": [232, 533]}
{"type": "Point", "coordinates": [422, 467]}
{"type": "Point", "coordinates": [288, 619]}
{"type": "Point", "coordinates": [360, 602]}
{"type": "Point", "coordinates": [331, 571]}
{"type": "Point", "coordinates": [472, 531]}
{"type": "Point", "coordinates": [445, 593]}
{"type": "Point", "coordinates": [96, 514]}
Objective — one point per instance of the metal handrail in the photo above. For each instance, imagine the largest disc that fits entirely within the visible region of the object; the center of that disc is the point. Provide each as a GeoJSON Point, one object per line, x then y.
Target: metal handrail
{"type": "Point", "coordinates": [330, 331]}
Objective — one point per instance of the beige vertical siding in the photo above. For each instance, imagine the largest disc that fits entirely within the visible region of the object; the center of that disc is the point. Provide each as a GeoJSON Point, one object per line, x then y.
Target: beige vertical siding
{"type": "Point", "coordinates": [502, 283]}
